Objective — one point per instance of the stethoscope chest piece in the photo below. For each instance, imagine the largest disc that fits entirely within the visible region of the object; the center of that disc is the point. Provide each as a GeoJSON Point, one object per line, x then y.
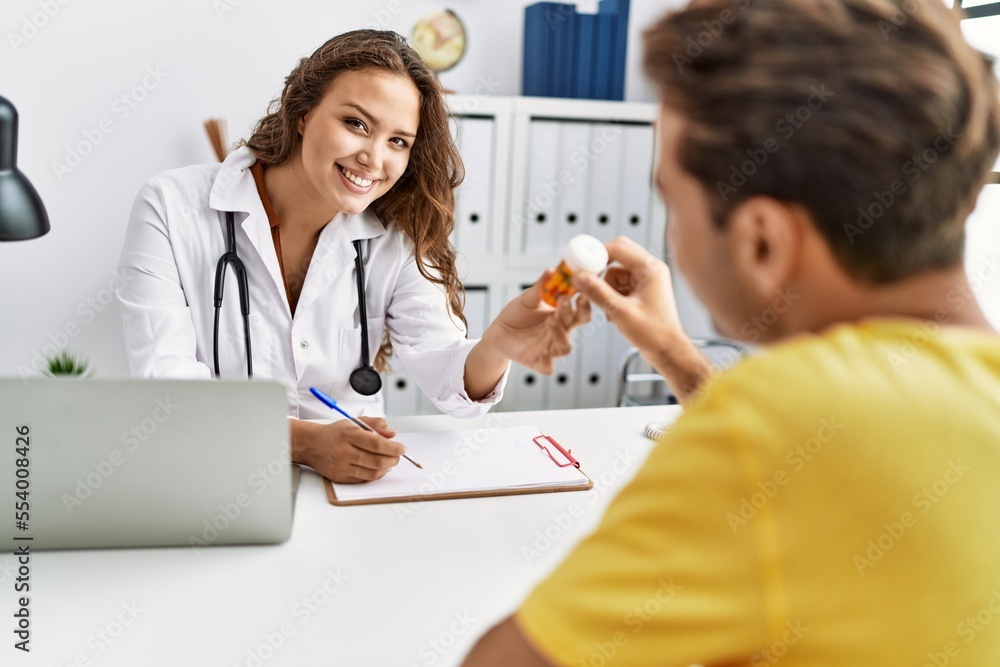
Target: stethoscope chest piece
{"type": "Point", "coordinates": [366, 381]}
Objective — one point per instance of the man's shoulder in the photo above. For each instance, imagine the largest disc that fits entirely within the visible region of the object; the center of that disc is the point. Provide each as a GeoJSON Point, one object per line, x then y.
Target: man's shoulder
{"type": "Point", "coordinates": [869, 374]}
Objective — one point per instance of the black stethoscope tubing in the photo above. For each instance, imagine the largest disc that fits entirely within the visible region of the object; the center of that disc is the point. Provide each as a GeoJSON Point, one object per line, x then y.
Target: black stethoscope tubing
{"type": "Point", "coordinates": [365, 379]}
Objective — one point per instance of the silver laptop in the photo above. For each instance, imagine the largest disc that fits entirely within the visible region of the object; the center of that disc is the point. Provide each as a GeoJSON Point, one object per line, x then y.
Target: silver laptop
{"type": "Point", "coordinates": [129, 463]}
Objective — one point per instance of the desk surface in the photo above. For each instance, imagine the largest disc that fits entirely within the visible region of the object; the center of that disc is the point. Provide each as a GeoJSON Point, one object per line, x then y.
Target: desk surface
{"type": "Point", "coordinates": [372, 586]}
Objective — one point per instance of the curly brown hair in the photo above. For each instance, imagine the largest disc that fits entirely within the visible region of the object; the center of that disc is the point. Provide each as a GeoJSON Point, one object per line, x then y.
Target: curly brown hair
{"type": "Point", "coordinates": [422, 202]}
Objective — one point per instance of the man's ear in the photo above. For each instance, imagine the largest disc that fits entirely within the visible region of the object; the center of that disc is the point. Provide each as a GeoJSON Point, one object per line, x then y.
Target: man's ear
{"type": "Point", "coordinates": [766, 243]}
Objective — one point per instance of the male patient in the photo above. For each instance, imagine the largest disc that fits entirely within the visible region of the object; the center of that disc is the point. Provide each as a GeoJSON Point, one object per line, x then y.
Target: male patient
{"type": "Point", "coordinates": [833, 500]}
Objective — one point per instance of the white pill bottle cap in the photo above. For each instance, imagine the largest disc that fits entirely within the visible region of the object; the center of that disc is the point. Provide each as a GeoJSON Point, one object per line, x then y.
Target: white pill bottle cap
{"type": "Point", "coordinates": [587, 253]}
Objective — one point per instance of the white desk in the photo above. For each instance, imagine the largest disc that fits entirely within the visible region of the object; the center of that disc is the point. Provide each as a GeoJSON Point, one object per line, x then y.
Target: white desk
{"type": "Point", "coordinates": [373, 586]}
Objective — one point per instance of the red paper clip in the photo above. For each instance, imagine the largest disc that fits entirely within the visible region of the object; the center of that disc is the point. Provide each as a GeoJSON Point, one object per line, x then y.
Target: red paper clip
{"type": "Point", "coordinates": [568, 453]}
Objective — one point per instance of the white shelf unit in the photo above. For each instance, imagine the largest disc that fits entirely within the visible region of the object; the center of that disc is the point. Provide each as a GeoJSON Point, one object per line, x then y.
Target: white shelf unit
{"type": "Point", "coordinates": [538, 171]}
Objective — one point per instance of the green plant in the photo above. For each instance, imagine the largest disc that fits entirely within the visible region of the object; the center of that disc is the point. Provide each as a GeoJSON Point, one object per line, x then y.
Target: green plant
{"type": "Point", "coordinates": [65, 363]}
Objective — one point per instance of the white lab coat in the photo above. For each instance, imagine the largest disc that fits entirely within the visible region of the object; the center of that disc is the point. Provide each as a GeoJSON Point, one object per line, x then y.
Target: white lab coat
{"type": "Point", "coordinates": [175, 237]}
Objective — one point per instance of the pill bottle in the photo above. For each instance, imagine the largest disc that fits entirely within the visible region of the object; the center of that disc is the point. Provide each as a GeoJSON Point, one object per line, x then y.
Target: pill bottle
{"type": "Point", "coordinates": [583, 252]}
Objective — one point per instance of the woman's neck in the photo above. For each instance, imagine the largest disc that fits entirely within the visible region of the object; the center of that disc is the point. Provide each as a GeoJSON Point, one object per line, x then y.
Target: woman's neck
{"type": "Point", "coordinates": [300, 207]}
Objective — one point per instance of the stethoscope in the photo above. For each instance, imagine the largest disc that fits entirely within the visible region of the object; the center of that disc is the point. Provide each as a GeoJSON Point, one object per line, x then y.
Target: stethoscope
{"type": "Point", "coordinates": [365, 379]}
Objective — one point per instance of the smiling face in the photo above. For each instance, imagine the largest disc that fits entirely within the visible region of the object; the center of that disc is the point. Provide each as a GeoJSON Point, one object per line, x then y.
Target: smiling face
{"type": "Point", "coordinates": [356, 142]}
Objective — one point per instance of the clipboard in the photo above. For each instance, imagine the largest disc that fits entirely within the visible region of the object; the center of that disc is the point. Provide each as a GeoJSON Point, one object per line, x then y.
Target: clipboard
{"type": "Point", "coordinates": [470, 463]}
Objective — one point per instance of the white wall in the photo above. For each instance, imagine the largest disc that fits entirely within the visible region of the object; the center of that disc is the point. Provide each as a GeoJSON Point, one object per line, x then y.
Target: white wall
{"type": "Point", "coordinates": [66, 73]}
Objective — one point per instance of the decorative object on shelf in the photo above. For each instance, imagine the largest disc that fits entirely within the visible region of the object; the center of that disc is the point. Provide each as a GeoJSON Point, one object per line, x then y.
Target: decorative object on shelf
{"type": "Point", "coordinates": [216, 130]}
{"type": "Point", "coordinates": [66, 364]}
{"type": "Point", "coordinates": [439, 38]}
{"type": "Point", "coordinates": [22, 214]}
{"type": "Point", "coordinates": [569, 54]}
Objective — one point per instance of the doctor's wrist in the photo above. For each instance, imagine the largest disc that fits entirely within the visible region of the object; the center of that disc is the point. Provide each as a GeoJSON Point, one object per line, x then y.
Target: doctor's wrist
{"type": "Point", "coordinates": [303, 439]}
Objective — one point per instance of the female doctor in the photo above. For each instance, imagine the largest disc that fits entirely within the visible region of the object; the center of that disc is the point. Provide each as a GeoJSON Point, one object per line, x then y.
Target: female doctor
{"type": "Point", "coordinates": [337, 211]}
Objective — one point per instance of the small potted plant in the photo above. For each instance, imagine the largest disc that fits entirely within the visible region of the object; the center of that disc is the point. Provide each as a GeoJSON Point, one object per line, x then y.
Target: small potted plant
{"type": "Point", "coordinates": [66, 364]}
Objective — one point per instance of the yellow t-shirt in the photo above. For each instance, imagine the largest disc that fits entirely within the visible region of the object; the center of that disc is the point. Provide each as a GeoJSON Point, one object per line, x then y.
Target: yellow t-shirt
{"type": "Point", "coordinates": [834, 501]}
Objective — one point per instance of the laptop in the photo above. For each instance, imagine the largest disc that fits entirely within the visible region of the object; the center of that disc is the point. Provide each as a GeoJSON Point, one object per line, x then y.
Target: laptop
{"type": "Point", "coordinates": [143, 463]}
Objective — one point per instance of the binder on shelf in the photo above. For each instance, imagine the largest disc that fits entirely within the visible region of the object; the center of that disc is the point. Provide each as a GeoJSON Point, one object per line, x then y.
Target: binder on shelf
{"type": "Point", "coordinates": [564, 65]}
{"type": "Point", "coordinates": [604, 205]}
{"type": "Point", "coordinates": [606, 34]}
{"type": "Point", "coordinates": [619, 9]}
{"type": "Point", "coordinates": [637, 183]}
{"type": "Point", "coordinates": [575, 161]}
{"type": "Point", "coordinates": [586, 52]}
{"type": "Point", "coordinates": [562, 383]}
{"type": "Point", "coordinates": [536, 62]}
{"type": "Point", "coordinates": [543, 187]}
{"type": "Point", "coordinates": [526, 389]}
{"type": "Point", "coordinates": [474, 198]}
{"type": "Point", "coordinates": [476, 309]}
{"type": "Point", "coordinates": [512, 460]}
{"type": "Point", "coordinates": [596, 375]}
{"type": "Point", "coordinates": [569, 54]}
{"type": "Point", "coordinates": [401, 394]}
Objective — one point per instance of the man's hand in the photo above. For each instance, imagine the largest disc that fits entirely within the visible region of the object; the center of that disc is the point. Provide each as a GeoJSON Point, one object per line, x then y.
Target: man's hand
{"type": "Point", "coordinates": [636, 295]}
{"type": "Point", "coordinates": [638, 298]}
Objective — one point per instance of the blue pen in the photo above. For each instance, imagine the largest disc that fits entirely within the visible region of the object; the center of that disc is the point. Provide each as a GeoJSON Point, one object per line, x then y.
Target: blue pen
{"type": "Point", "coordinates": [330, 402]}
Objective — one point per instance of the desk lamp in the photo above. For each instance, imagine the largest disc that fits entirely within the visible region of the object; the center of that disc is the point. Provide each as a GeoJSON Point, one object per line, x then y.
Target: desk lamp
{"type": "Point", "coordinates": [22, 214]}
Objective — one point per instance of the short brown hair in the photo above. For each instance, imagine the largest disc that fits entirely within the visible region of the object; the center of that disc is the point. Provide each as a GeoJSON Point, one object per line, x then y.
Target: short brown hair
{"type": "Point", "coordinates": [874, 115]}
{"type": "Point", "coordinates": [422, 202]}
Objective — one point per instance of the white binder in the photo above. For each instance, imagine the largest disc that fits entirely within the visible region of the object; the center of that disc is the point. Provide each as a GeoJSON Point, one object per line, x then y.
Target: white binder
{"type": "Point", "coordinates": [477, 301]}
{"type": "Point", "coordinates": [526, 389]}
{"type": "Point", "coordinates": [574, 163]}
{"type": "Point", "coordinates": [562, 383]}
{"type": "Point", "coordinates": [474, 198]}
{"type": "Point", "coordinates": [596, 376]}
{"type": "Point", "coordinates": [400, 393]}
{"type": "Point", "coordinates": [542, 174]}
{"type": "Point", "coordinates": [604, 206]}
{"type": "Point", "coordinates": [637, 183]}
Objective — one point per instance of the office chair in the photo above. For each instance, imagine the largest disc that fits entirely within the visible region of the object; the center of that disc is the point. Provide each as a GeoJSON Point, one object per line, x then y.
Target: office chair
{"type": "Point", "coordinates": [635, 372]}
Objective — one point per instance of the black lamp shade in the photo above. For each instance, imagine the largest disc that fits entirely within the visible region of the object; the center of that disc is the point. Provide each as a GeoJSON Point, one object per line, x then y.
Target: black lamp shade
{"type": "Point", "coordinates": [22, 214]}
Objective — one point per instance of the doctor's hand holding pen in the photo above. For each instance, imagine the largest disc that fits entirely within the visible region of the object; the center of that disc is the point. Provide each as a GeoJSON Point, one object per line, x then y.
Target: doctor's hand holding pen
{"type": "Point", "coordinates": [345, 453]}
